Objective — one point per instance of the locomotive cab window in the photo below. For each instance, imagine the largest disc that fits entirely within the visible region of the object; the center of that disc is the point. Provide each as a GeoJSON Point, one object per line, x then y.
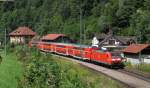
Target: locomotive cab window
{"type": "Point", "coordinates": [114, 54]}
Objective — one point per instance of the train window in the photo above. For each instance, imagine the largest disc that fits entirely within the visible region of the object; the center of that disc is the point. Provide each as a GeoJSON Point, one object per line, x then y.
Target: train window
{"type": "Point", "coordinates": [114, 54]}
{"type": "Point", "coordinates": [60, 46]}
{"type": "Point", "coordinates": [101, 51]}
{"type": "Point", "coordinates": [78, 48]}
{"type": "Point", "coordinates": [94, 47]}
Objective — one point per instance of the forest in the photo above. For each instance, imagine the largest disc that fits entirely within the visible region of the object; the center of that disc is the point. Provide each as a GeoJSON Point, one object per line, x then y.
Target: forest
{"type": "Point", "coordinates": [124, 17]}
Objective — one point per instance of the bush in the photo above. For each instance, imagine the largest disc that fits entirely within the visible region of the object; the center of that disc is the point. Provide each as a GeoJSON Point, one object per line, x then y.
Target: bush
{"type": "Point", "coordinates": [44, 71]}
{"type": "Point", "coordinates": [41, 73]}
{"type": "Point", "coordinates": [38, 76]}
{"type": "Point", "coordinates": [128, 65]}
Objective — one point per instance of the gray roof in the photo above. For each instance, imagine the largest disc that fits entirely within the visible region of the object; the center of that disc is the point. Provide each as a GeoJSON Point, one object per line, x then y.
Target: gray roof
{"type": "Point", "coordinates": [123, 39]}
{"type": "Point", "coordinates": [101, 36]}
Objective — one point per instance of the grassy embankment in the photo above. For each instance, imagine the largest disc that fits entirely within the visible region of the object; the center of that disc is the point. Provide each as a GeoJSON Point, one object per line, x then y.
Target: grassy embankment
{"type": "Point", "coordinates": [62, 73]}
{"type": "Point", "coordinates": [10, 71]}
{"type": "Point", "coordinates": [145, 68]}
{"type": "Point", "coordinates": [44, 71]}
{"type": "Point", "coordinates": [89, 78]}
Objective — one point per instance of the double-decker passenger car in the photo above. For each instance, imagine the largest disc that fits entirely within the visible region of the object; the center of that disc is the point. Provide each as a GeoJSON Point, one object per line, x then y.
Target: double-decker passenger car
{"type": "Point", "coordinates": [80, 51]}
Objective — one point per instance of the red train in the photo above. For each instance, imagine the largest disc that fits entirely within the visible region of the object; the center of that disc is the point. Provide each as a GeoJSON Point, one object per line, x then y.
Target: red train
{"type": "Point", "coordinates": [80, 51]}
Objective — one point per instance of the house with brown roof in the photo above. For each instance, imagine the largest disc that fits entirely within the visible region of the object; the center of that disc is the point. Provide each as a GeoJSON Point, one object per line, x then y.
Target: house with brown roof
{"type": "Point", "coordinates": [21, 35]}
{"type": "Point", "coordinates": [112, 40]}
{"type": "Point", "coordinates": [137, 53]}
{"type": "Point", "coordinates": [56, 38]}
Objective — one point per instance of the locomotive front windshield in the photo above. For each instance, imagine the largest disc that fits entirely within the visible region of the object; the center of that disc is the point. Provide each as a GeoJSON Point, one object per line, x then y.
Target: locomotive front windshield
{"type": "Point", "coordinates": [114, 54]}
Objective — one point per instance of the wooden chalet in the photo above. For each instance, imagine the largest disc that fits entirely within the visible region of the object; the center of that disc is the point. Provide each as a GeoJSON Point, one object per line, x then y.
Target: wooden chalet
{"type": "Point", "coordinates": [21, 35]}
{"type": "Point", "coordinates": [137, 53]}
{"type": "Point", "coordinates": [112, 40]}
{"type": "Point", "coordinates": [61, 38]}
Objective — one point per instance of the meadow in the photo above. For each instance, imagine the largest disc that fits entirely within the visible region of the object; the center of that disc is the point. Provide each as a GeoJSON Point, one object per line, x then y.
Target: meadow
{"type": "Point", "coordinates": [143, 67]}
{"type": "Point", "coordinates": [11, 71]}
{"type": "Point", "coordinates": [29, 68]}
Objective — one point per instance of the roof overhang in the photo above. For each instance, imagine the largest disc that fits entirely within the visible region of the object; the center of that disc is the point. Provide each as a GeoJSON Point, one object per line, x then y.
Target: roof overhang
{"type": "Point", "coordinates": [52, 36]}
{"type": "Point", "coordinates": [136, 48]}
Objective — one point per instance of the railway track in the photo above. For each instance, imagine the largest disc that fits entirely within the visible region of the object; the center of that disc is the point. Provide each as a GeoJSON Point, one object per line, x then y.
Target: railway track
{"type": "Point", "coordinates": [130, 79]}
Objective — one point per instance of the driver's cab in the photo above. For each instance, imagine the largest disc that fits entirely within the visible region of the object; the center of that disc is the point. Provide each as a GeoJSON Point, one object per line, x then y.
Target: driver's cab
{"type": "Point", "coordinates": [118, 55]}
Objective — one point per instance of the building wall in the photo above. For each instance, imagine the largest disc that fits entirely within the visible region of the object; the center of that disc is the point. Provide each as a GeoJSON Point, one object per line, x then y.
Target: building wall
{"type": "Point", "coordinates": [134, 59]}
{"type": "Point", "coordinates": [146, 58]}
{"type": "Point", "coordinates": [17, 40]}
{"type": "Point", "coordinates": [112, 42]}
{"type": "Point", "coordinates": [147, 61]}
{"type": "Point", "coordinates": [20, 39]}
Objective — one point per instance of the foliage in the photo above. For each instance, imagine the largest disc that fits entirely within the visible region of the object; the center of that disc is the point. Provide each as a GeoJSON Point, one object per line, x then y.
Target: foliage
{"type": "Point", "coordinates": [139, 67]}
{"type": "Point", "coordinates": [57, 16]}
{"type": "Point", "coordinates": [144, 68]}
{"type": "Point", "coordinates": [11, 71]}
{"type": "Point", "coordinates": [128, 65]}
{"type": "Point", "coordinates": [47, 71]}
{"type": "Point", "coordinates": [141, 24]}
{"type": "Point", "coordinates": [37, 76]}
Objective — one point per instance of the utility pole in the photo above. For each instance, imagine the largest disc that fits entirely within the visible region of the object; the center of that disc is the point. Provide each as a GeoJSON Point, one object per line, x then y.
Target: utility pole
{"type": "Point", "coordinates": [81, 31]}
{"type": "Point", "coordinates": [5, 35]}
{"type": "Point", "coordinates": [80, 25]}
{"type": "Point", "coordinates": [84, 32]}
{"type": "Point", "coordinates": [140, 43]}
{"type": "Point", "coordinates": [5, 42]}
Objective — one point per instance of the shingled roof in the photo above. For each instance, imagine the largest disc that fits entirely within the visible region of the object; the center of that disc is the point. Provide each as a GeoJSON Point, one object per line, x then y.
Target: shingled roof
{"type": "Point", "coordinates": [22, 31]}
{"type": "Point", "coordinates": [51, 36]}
{"type": "Point", "coordinates": [122, 39]}
{"type": "Point", "coordinates": [135, 48]}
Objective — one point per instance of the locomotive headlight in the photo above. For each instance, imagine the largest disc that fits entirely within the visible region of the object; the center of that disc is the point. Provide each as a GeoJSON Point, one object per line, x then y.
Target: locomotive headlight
{"type": "Point", "coordinates": [118, 59]}
{"type": "Point", "coordinates": [113, 59]}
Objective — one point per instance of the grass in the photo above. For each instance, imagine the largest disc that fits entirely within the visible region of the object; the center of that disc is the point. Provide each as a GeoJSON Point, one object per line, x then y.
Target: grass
{"type": "Point", "coordinates": [145, 68]}
{"type": "Point", "coordinates": [10, 71]}
{"type": "Point", "coordinates": [68, 74]}
{"type": "Point", "coordinates": [90, 78]}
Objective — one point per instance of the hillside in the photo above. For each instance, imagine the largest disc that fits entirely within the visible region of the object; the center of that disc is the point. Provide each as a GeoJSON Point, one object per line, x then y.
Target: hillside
{"type": "Point", "coordinates": [124, 17]}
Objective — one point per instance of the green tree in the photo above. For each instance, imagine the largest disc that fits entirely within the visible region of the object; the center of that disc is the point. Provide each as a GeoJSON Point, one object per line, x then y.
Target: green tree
{"type": "Point", "coordinates": [141, 24]}
{"type": "Point", "coordinates": [126, 9]}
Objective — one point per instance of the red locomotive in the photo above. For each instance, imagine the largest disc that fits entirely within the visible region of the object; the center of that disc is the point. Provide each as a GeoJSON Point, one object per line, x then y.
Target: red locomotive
{"type": "Point", "coordinates": [80, 51]}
